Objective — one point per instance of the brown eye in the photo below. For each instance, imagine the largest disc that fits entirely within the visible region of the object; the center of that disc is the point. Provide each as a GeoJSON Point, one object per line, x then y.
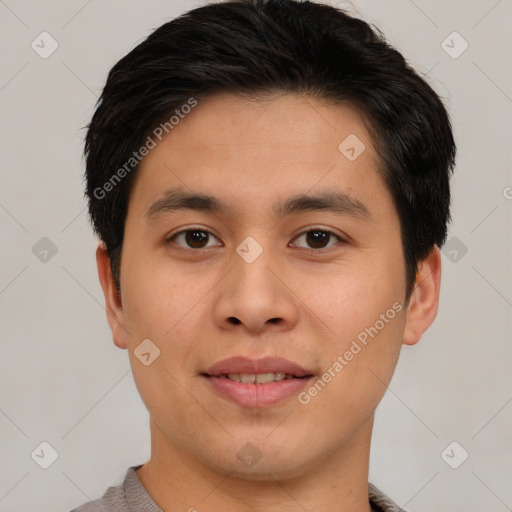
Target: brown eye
{"type": "Point", "coordinates": [318, 238]}
{"type": "Point", "coordinates": [193, 238]}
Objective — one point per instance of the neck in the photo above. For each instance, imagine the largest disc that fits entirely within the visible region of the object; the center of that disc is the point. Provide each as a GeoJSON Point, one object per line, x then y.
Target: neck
{"type": "Point", "coordinates": [336, 482]}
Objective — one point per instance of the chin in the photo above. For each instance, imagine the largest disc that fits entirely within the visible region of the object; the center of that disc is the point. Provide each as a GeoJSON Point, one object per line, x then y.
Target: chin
{"type": "Point", "coordinates": [270, 463]}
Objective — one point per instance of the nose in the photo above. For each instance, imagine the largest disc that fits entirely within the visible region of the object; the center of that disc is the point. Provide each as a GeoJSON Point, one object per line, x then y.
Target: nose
{"type": "Point", "coordinates": [257, 296]}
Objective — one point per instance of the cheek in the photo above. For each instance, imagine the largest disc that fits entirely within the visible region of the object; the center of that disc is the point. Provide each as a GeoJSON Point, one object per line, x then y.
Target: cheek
{"type": "Point", "coordinates": [364, 312]}
{"type": "Point", "coordinates": [358, 366]}
{"type": "Point", "coordinates": [165, 304]}
{"type": "Point", "coordinates": [157, 294]}
{"type": "Point", "coordinates": [160, 306]}
{"type": "Point", "coordinates": [348, 298]}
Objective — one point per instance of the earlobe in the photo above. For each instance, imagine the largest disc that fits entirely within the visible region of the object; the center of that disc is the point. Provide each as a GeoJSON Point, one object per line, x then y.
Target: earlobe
{"type": "Point", "coordinates": [424, 302]}
{"type": "Point", "coordinates": [113, 304]}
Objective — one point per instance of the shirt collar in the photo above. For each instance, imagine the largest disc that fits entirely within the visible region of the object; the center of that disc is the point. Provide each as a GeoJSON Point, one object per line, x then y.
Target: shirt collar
{"type": "Point", "coordinates": [137, 496]}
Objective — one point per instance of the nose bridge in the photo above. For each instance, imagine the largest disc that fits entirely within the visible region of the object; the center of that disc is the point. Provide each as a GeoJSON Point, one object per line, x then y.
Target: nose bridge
{"type": "Point", "coordinates": [251, 265]}
{"type": "Point", "coordinates": [253, 294]}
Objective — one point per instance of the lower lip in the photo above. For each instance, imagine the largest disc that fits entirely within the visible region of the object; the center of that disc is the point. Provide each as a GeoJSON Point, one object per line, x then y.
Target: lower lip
{"type": "Point", "coordinates": [258, 395]}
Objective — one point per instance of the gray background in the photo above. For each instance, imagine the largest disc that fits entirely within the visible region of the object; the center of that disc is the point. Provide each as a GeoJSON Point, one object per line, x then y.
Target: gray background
{"type": "Point", "coordinates": [64, 382]}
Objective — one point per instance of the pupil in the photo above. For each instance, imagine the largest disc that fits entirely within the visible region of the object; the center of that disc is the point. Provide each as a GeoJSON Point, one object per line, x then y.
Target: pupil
{"type": "Point", "coordinates": [315, 237]}
{"type": "Point", "coordinates": [195, 237]}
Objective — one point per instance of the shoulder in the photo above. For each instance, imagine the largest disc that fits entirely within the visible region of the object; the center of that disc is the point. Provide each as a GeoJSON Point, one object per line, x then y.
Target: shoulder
{"type": "Point", "coordinates": [115, 498]}
{"type": "Point", "coordinates": [93, 506]}
{"type": "Point", "coordinates": [380, 502]}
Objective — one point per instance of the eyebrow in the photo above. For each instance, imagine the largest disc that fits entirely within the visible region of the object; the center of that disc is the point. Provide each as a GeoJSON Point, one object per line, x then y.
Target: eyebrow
{"type": "Point", "coordinates": [333, 201]}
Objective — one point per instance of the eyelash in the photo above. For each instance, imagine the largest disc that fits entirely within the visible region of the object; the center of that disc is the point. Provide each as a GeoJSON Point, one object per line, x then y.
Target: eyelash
{"type": "Point", "coordinates": [171, 238]}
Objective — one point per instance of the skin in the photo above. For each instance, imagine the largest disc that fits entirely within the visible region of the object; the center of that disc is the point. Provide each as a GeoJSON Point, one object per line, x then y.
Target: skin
{"type": "Point", "coordinates": [250, 154]}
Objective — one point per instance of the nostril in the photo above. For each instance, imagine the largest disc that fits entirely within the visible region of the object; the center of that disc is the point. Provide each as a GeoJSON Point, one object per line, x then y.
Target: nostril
{"type": "Point", "coordinates": [234, 320]}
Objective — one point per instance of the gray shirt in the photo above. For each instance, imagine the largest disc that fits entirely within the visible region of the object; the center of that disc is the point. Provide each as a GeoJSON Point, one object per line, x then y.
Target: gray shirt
{"type": "Point", "coordinates": [131, 496]}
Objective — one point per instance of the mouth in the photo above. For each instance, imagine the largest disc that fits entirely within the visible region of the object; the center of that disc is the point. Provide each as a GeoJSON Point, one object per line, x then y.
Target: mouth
{"type": "Point", "coordinates": [256, 382]}
{"type": "Point", "coordinates": [258, 378]}
{"type": "Point", "coordinates": [279, 367]}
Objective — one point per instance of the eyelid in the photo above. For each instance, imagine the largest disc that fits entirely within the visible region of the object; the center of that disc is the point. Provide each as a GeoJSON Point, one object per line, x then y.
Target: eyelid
{"type": "Point", "coordinates": [325, 230]}
{"type": "Point", "coordinates": [169, 238]}
{"type": "Point", "coordinates": [315, 227]}
{"type": "Point", "coordinates": [303, 231]}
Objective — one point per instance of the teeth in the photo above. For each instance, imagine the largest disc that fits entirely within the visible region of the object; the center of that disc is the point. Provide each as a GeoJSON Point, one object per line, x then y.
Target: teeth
{"type": "Point", "coordinates": [260, 378]}
{"type": "Point", "coordinates": [263, 378]}
{"type": "Point", "coordinates": [247, 378]}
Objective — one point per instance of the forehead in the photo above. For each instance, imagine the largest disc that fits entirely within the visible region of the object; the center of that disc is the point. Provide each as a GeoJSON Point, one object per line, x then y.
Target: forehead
{"type": "Point", "coordinates": [279, 120]}
{"type": "Point", "coordinates": [253, 151]}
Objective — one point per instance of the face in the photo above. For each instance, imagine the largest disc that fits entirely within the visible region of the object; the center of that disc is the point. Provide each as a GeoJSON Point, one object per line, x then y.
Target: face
{"type": "Point", "coordinates": [308, 293]}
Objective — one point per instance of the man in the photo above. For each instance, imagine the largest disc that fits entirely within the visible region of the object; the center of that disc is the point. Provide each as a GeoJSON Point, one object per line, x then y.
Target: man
{"type": "Point", "coordinates": [270, 183]}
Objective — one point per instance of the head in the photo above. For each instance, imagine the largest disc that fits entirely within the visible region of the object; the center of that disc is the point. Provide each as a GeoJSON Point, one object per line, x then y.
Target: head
{"type": "Point", "coordinates": [254, 103]}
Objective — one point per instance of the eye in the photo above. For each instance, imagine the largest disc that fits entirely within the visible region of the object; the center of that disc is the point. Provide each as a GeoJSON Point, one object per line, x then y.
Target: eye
{"type": "Point", "coordinates": [318, 238]}
{"type": "Point", "coordinates": [194, 238]}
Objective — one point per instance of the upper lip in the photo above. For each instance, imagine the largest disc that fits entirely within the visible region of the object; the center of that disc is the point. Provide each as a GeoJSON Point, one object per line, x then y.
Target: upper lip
{"type": "Point", "coordinates": [241, 364]}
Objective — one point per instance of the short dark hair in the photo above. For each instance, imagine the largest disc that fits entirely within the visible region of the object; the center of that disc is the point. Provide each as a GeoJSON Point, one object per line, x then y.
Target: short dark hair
{"type": "Point", "coordinates": [258, 47]}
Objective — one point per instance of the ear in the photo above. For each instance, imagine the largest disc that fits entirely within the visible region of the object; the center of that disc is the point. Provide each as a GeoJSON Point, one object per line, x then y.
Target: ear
{"type": "Point", "coordinates": [424, 301]}
{"type": "Point", "coordinates": [113, 305]}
